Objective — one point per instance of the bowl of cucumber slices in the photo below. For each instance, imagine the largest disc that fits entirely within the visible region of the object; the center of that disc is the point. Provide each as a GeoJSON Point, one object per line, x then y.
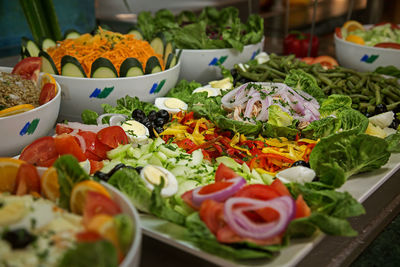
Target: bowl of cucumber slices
{"type": "Point", "coordinates": [101, 68]}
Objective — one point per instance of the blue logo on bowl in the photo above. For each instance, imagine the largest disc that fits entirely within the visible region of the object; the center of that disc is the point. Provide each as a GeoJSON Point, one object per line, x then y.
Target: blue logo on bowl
{"type": "Point", "coordinates": [29, 127]}
{"type": "Point", "coordinates": [157, 87]}
{"type": "Point", "coordinates": [255, 53]}
{"type": "Point", "coordinates": [98, 93]}
{"type": "Point", "coordinates": [369, 59]}
{"type": "Point", "coordinates": [217, 61]}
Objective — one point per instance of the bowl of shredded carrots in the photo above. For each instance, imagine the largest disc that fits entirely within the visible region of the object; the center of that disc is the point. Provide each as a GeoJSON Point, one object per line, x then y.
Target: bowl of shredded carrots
{"type": "Point", "coordinates": [86, 85]}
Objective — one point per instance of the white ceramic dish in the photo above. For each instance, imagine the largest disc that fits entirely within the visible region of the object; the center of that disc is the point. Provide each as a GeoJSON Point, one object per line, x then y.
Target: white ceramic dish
{"type": "Point", "coordinates": [364, 58]}
{"type": "Point", "coordinates": [200, 65]}
{"type": "Point", "coordinates": [18, 131]}
{"type": "Point", "coordinates": [360, 187]}
{"type": "Point", "coordinates": [79, 94]}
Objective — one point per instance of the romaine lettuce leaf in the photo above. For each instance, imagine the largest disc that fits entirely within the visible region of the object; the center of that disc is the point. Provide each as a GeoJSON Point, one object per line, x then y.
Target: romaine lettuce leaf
{"type": "Point", "coordinates": [184, 90]}
{"type": "Point", "coordinates": [321, 128]}
{"type": "Point", "coordinates": [125, 231]}
{"type": "Point", "coordinates": [272, 131]}
{"type": "Point", "coordinates": [300, 80]}
{"type": "Point", "coordinates": [89, 116]}
{"type": "Point", "coordinates": [278, 117]}
{"type": "Point", "coordinates": [246, 128]}
{"type": "Point", "coordinates": [334, 104]}
{"type": "Point", "coordinates": [351, 119]}
{"type": "Point", "coordinates": [339, 156]}
{"type": "Point", "coordinates": [393, 141]}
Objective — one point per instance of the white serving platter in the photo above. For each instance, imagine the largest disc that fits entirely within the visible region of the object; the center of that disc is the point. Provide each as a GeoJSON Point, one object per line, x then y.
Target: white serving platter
{"type": "Point", "coordinates": [360, 186]}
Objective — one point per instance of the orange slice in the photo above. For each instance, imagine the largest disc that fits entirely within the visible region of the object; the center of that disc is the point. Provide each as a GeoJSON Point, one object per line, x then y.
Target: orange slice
{"type": "Point", "coordinates": [8, 173]}
{"type": "Point", "coordinates": [355, 39]}
{"type": "Point", "coordinates": [49, 184]}
{"type": "Point", "coordinates": [352, 25]}
{"type": "Point", "coordinates": [105, 226]}
{"type": "Point", "coordinates": [15, 110]}
{"type": "Point", "coordinates": [78, 194]}
{"type": "Point", "coordinates": [48, 78]}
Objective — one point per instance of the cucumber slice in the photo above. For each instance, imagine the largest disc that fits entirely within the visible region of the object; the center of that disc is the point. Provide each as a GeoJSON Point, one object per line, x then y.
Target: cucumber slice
{"type": "Point", "coordinates": [24, 52]}
{"type": "Point", "coordinates": [71, 34]}
{"type": "Point", "coordinates": [169, 48]}
{"type": "Point", "coordinates": [137, 32]}
{"type": "Point", "coordinates": [31, 47]}
{"type": "Point", "coordinates": [152, 65]}
{"type": "Point", "coordinates": [158, 44]}
{"type": "Point", "coordinates": [71, 67]}
{"type": "Point", "coordinates": [47, 43]}
{"type": "Point", "coordinates": [131, 67]}
{"type": "Point", "coordinates": [103, 68]}
{"type": "Point", "coordinates": [179, 55]}
{"type": "Point", "coordinates": [171, 61]}
{"type": "Point", "coordinates": [48, 65]}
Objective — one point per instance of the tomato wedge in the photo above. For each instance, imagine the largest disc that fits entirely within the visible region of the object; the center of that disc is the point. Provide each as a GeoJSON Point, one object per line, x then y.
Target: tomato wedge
{"type": "Point", "coordinates": [95, 165]}
{"type": "Point", "coordinates": [302, 209]}
{"type": "Point", "coordinates": [60, 129]}
{"type": "Point", "coordinates": [212, 188]}
{"type": "Point", "coordinates": [388, 45]}
{"type": "Point", "coordinates": [224, 173]}
{"type": "Point", "coordinates": [41, 152]}
{"type": "Point", "coordinates": [280, 188]}
{"type": "Point", "coordinates": [28, 68]}
{"type": "Point", "coordinates": [326, 61]}
{"type": "Point", "coordinates": [67, 144]}
{"type": "Point", "coordinates": [47, 93]}
{"type": "Point", "coordinates": [257, 191]}
{"type": "Point", "coordinates": [90, 141]}
{"type": "Point", "coordinates": [308, 60]}
{"type": "Point", "coordinates": [97, 203]}
{"type": "Point", "coordinates": [28, 180]}
{"type": "Point", "coordinates": [113, 136]}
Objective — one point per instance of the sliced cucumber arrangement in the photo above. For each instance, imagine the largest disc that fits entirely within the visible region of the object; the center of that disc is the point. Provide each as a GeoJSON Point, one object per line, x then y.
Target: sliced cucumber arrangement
{"type": "Point", "coordinates": [169, 48]}
{"type": "Point", "coordinates": [31, 47]}
{"type": "Point", "coordinates": [103, 68]}
{"type": "Point", "coordinates": [131, 67]}
{"type": "Point", "coordinates": [171, 61]}
{"type": "Point", "coordinates": [158, 44]}
{"type": "Point", "coordinates": [137, 32]}
{"type": "Point", "coordinates": [152, 65]}
{"type": "Point", "coordinates": [46, 43]}
{"type": "Point", "coordinates": [71, 67]}
{"type": "Point", "coordinates": [48, 65]}
{"type": "Point", "coordinates": [71, 34]}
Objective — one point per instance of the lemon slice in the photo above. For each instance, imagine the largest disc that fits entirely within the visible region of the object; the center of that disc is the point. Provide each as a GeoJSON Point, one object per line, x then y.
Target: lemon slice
{"type": "Point", "coordinates": [355, 39]}
{"type": "Point", "coordinates": [49, 184]}
{"type": "Point", "coordinates": [47, 78]}
{"type": "Point", "coordinates": [16, 110]}
{"type": "Point", "coordinates": [78, 194]}
{"type": "Point", "coordinates": [352, 25]}
{"type": "Point", "coordinates": [8, 173]}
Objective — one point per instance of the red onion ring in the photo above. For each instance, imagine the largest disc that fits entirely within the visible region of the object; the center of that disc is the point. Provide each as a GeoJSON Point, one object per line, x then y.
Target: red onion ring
{"type": "Point", "coordinates": [83, 127]}
{"type": "Point", "coordinates": [243, 226]}
{"type": "Point", "coordinates": [220, 195]}
{"type": "Point", "coordinates": [81, 140]}
{"type": "Point", "coordinates": [116, 120]}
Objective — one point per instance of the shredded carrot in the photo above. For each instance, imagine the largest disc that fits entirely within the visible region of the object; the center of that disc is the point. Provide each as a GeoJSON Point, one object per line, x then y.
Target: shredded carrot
{"type": "Point", "coordinates": [114, 46]}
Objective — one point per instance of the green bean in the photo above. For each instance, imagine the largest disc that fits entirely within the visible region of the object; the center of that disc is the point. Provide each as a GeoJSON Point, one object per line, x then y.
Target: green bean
{"type": "Point", "coordinates": [393, 105]}
{"type": "Point", "coordinates": [354, 79]}
{"type": "Point", "coordinates": [387, 92]}
{"type": "Point", "coordinates": [378, 94]}
{"type": "Point", "coordinates": [363, 97]}
{"type": "Point", "coordinates": [361, 82]}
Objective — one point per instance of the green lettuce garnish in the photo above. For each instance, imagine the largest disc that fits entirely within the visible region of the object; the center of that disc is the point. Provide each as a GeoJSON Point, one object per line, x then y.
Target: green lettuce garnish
{"type": "Point", "coordinates": [300, 80]}
{"type": "Point", "coordinates": [334, 104]}
{"type": "Point", "coordinates": [278, 117]}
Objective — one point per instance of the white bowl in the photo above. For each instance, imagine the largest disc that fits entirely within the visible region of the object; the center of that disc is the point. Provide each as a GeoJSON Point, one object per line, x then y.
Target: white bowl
{"type": "Point", "coordinates": [200, 64]}
{"type": "Point", "coordinates": [364, 58]}
{"type": "Point", "coordinates": [14, 129]}
{"type": "Point", "coordinates": [79, 94]}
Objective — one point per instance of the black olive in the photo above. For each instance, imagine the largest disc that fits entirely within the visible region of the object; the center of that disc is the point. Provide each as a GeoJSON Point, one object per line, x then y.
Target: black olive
{"type": "Point", "coordinates": [116, 168]}
{"type": "Point", "coordinates": [146, 122]}
{"type": "Point", "coordinates": [159, 122]}
{"type": "Point", "coordinates": [18, 238]}
{"type": "Point", "coordinates": [102, 176]}
{"type": "Point", "coordinates": [138, 115]}
{"type": "Point", "coordinates": [159, 129]}
{"type": "Point", "coordinates": [380, 108]}
{"type": "Point", "coordinates": [139, 169]}
{"type": "Point", "coordinates": [395, 124]}
{"type": "Point", "coordinates": [234, 73]}
{"type": "Point", "coordinates": [367, 114]}
{"type": "Point", "coordinates": [301, 163]}
{"type": "Point", "coordinates": [243, 80]}
{"type": "Point", "coordinates": [152, 115]}
{"type": "Point", "coordinates": [162, 113]}
{"type": "Point", "coordinates": [397, 109]}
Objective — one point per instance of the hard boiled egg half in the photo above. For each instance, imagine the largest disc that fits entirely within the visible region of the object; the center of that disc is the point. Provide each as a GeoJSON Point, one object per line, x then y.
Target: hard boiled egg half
{"type": "Point", "coordinates": [214, 88]}
{"type": "Point", "coordinates": [136, 131]}
{"type": "Point", "coordinates": [171, 104]}
{"type": "Point", "coordinates": [152, 175]}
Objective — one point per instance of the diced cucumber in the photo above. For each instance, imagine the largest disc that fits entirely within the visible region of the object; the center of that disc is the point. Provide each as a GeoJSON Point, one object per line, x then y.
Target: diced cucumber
{"type": "Point", "coordinates": [169, 152]}
{"type": "Point", "coordinates": [146, 156]}
{"type": "Point", "coordinates": [71, 67]}
{"type": "Point", "coordinates": [145, 148]}
{"type": "Point", "coordinates": [161, 156]}
{"type": "Point", "coordinates": [108, 166]}
{"type": "Point", "coordinates": [131, 162]}
{"type": "Point", "coordinates": [256, 175]}
{"type": "Point", "coordinates": [134, 152]}
{"type": "Point", "coordinates": [131, 67]}
{"type": "Point", "coordinates": [154, 160]}
{"type": "Point", "coordinates": [197, 157]}
{"type": "Point", "coordinates": [246, 168]}
{"type": "Point", "coordinates": [179, 171]}
{"type": "Point", "coordinates": [183, 162]}
{"type": "Point", "coordinates": [156, 143]}
{"type": "Point", "coordinates": [229, 162]}
{"type": "Point", "coordinates": [186, 186]}
{"type": "Point", "coordinates": [119, 152]}
{"type": "Point", "coordinates": [103, 68]}
{"type": "Point", "coordinates": [267, 178]}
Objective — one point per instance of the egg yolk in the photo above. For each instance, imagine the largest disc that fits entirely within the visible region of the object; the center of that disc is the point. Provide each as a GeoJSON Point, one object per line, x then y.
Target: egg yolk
{"type": "Point", "coordinates": [174, 103]}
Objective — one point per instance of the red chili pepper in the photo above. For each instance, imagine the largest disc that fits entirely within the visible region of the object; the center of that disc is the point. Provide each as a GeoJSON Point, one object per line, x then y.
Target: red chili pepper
{"type": "Point", "coordinates": [297, 43]}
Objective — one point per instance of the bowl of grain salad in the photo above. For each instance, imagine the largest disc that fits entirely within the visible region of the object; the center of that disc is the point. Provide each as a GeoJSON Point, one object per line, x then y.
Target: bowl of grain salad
{"type": "Point", "coordinates": [27, 112]}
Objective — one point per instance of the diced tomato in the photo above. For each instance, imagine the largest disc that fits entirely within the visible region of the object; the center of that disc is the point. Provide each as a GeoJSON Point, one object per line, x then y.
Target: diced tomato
{"type": "Point", "coordinates": [302, 209]}
{"type": "Point", "coordinates": [95, 165]}
{"type": "Point", "coordinates": [186, 144]}
{"type": "Point", "coordinates": [224, 173]}
{"type": "Point", "coordinates": [257, 191]}
{"type": "Point", "coordinates": [28, 68]}
{"type": "Point", "coordinates": [88, 236]}
{"type": "Point", "coordinates": [97, 203]}
{"type": "Point", "coordinates": [388, 45]}
{"type": "Point", "coordinates": [41, 152]}
{"type": "Point", "coordinates": [113, 136]}
{"type": "Point", "coordinates": [212, 214]}
{"type": "Point", "coordinates": [280, 188]}
{"type": "Point", "coordinates": [28, 180]}
{"type": "Point", "coordinates": [47, 93]}
{"type": "Point", "coordinates": [67, 144]}
{"type": "Point", "coordinates": [338, 32]}
{"type": "Point", "coordinates": [60, 129]}
{"type": "Point", "coordinates": [187, 197]}
{"type": "Point", "coordinates": [212, 188]}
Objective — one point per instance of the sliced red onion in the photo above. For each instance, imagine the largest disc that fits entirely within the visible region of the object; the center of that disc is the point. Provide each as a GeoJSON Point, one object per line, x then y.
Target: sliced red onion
{"type": "Point", "coordinates": [226, 99]}
{"type": "Point", "coordinates": [81, 140]}
{"type": "Point", "coordinates": [263, 115]}
{"type": "Point", "coordinates": [83, 127]}
{"type": "Point", "coordinates": [100, 118]}
{"type": "Point", "coordinates": [220, 195]}
{"type": "Point", "coordinates": [244, 227]}
{"type": "Point", "coordinates": [116, 120]}
{"type": "Point", "coordinates": [249, 106]}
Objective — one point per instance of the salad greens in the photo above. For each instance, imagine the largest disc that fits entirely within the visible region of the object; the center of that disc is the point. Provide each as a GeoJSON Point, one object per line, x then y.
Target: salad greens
{"type": "Point", "coordinates": [389, 70]}
{"type": "Point", "coordinates": [377, 34]}
{"type": "Point", "coordinates": [334, 104]}
{"type": "Point", "coordinates": [212, 29]}
{"type": "Point", "coordinates": [393, 141]}
{"type": "Point", "coordinates": [300, 80]}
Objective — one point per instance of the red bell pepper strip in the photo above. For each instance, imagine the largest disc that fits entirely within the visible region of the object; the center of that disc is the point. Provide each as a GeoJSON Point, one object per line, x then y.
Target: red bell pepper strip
{"type": "Point", "coordinates": [205, 144]}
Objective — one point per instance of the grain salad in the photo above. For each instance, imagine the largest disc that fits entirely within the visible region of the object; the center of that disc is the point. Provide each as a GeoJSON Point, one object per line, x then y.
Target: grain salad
{"type": "Point", "coordinates": [15, 91]}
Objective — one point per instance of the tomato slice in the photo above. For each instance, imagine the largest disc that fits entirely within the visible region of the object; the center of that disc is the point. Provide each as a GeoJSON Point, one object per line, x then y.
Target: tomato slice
{"type": "Point", "coordinates": [326, 61]}
{"type": "Point", "coordinates": [60, 129]}
{"type": "Point", "coordinates": [227, 235]}
{"type": "Point", "coordinates": [42, 152]}
{"type": "Point", "coordinates": [187, 197]}
{"type": "Point", "coordinates": [338, 32]}
{"type": "Point", "coordinates": [212, 188]}
{"type": "Point", "coordinates": [302, 209]}
{"type": "Point", "coordinates": [90, 141]}
{"type": "Point", "coordinates": [388, 45]}
{"type": "Point", "coordinates": [95, 165]}
{"type": "Point", "coordinates": [212, 214]}
{"type": "Point", "coordinates": [47, 93]}
{"type": "Point", "coordinates": [113, 136]}
{"type": "Point", "coordinates": [88, 236]}
{"type": "Point", "coordinates": [280, 188]}
{"type": "Point", "coordinates": [257, 191]}
{"type": "Point", "coordinates": [28, 68]}
{"type": "Point", "coordinates": [100, 149]}
{"type": "Point", "coordinates": [224, 173]}
{"type": "Point", "coordinates": [308, 60]}
{"type": "Point", "coordinates": [28, 180]}
{"type": "Point", "coordinates": [97, 203]}
{"type": "Point", "coordinates": [67, 144]}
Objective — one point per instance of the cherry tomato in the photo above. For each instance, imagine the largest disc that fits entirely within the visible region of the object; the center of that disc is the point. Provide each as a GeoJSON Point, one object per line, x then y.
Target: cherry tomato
{"type": "Point", "coordinates": [224, 173]}
{"type": "Point", "coordinates": [97, 203]}
{"type": "Point", "coordinates": [60, 129]}
{"type": "Point", "coordinates": [113, 136]}
{"type": "Point", "coordinates": [47, 93]}
{"type": "Point", "coordinates": [28, 180]}
{"type": "Point", "coordinates": [95, 165]}
{"type": "Point", "coordinates": [28, 68]}
{"type": "Point", "coordinates": [67, 144]}
{"type": "Point", "coordinates": [42, 152]}
{"type": "Point", "coordinates": [388, 45]}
